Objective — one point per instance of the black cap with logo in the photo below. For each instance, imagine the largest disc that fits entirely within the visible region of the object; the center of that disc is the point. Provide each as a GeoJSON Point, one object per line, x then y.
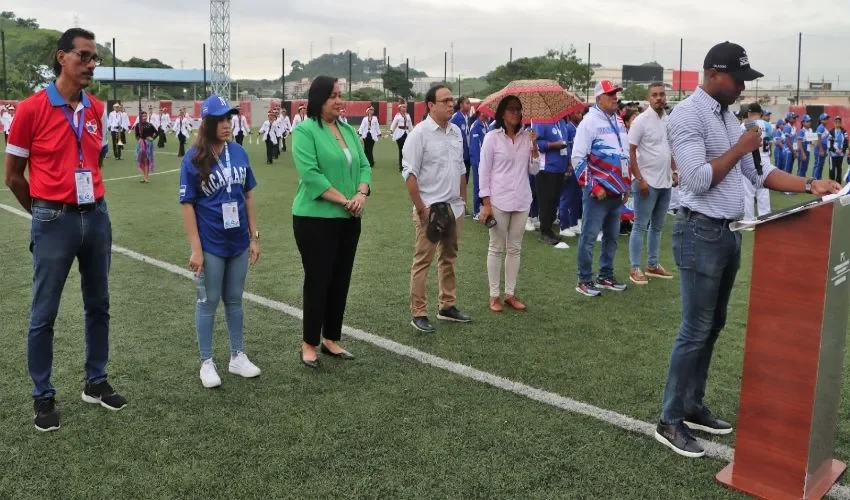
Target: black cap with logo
{"type": "Point", "coordinates": [755, 108]}
{"type": "Point", "coordinates": [728, 57]}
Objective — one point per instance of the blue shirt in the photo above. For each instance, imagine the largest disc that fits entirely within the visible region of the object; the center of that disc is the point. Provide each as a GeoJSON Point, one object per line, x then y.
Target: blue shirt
{"type": "Point", "coordinates": [208, 198]}
{"type": "Point", "coordinates": [823, 134]}
{"type": "Point", "coordinates": [462, 123]}
{"type": "Point", "coordinates": [476, 140]}
{"type": "Point", "coordinates": [556, 159]}
{"type": "Point", "coordinates": [801, 135]}
{"type": "Point", "coordinates": [570, 130]}
{"type": "Point", "coordinates": [779, 139]}
{"type": "Point", "coordinates": [839, 141]}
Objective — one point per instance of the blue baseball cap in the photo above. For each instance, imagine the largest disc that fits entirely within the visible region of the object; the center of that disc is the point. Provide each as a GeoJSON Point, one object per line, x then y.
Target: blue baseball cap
{"type": "Point", "coordinates": [780, 122]}
{"type": "Point", "coordinates": [806, 118]}
{"type": "Point", "coordinates": [791, 115]}
{"type": "Point", "coordinates": [766, 112]}
{"type": "Point", "coordinates": [216, 106]}
{"type": "Point", "coordinates": [824, 116]}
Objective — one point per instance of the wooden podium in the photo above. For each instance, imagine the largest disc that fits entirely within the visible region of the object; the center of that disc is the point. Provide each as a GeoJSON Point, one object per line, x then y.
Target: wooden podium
{"type": "Point", "coordinates": [799, 302]}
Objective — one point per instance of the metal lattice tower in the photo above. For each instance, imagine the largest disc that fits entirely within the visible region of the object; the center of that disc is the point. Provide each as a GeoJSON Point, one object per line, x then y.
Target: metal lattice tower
{"type": "Point", "coordinates": [220, 47]}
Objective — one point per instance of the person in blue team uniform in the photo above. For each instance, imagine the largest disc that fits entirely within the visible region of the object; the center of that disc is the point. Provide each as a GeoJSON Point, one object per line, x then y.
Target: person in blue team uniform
{"type": "Point", "coordinates": [551, 141]}
{"type": "Point", "coordinates": [216, 193]}
{"type": "Point", "coordinates": [476, 140]}
{"type": "Point", "coordinates": [802, 141]}
{"type": "Point", "coordinates": [822, 146]}
{"type": "Point", "coordinates": [461, 119]}
{"type": "Point", "coordinates": [779, 144]}
{"type": "Point", "coordinates": [790, 150]}
{"type": "Point", "coordinates": [837, 149]}
{"type": "Point", "coordinates": [569, 210]}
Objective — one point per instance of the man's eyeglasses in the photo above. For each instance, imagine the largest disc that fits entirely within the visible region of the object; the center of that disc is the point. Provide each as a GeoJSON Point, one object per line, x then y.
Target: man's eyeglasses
{"type": "Point", "coordinates": [86, 57]}
{"type": "Point", "coordinates": [447, 100]}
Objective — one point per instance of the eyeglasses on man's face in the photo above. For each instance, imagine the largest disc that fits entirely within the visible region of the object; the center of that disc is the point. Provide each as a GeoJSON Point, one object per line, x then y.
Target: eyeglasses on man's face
{"type": "Point", "coordinates": [87, 57]}
{"type": "Point", "coordinates": [447, 100]}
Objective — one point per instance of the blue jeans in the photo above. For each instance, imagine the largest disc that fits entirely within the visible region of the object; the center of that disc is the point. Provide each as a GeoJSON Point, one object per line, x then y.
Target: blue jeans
{"type": "Point", "coordinates": [817, 173]}
{"type": "Point", "coordinates": [599, 215]}
{"type": "Point", "coordinates": [533, 211]}
{"type": "Point", "coordinates": [221, 279]}
{"type": "Point", "coordinates": [650, 213]}
{"type": "Point", "coordinates": [57, 237]}
{"type": "Point", "coordinates": [708, 255]}
{"type": "Point", "coordinates": [569, 210]}
{"type": "Point", "coordinates": [789, 161]}
{"type": "Point", "coordinates": [803, 166]}
{"type": "Point", "coordinates": [476, 200]}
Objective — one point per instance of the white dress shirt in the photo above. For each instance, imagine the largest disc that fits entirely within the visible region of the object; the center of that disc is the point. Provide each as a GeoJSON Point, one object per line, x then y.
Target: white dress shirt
{"type": "Point", "coordinates": [182, 126]}
{"type": "Point", "coordinates": [125, 121]}
{"type": "Point", "coordinates": [399, 121]}
{"type": "Point", "coordinates": [370, 125]}
{"type": "Point", "coordinates": [267, 131]}
{"type": "Point", "coordinates": [154, 120]}
{"type": "Point", "coordinates": [654, 157]}
{"type": "Point", "coordinates": [284, 126]}
{"type": "Point", "coordinates": [435, 157]}
{"type": "Point", "coordinates": [114, 121]}
{"type": "Point", "coordinates": [238, 123]}
{"type": "Point", "coordinates": [165, 121]}
{"type": "Point", "coordinates": [296, 121]}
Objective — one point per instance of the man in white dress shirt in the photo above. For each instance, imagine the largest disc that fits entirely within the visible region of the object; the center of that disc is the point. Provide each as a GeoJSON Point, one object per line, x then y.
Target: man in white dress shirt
{"type": "Point", "coordinates": [164, 125]}
{"type": "Point", "coordinates": [370, 131]}
{"type": "Point", "coordinates": [269, 136]}
{"type": "Point", "coordinates": [183, 129]}
{"type": "Point", "coordinates": [435, 177]}
{"type": "Point", "coordinates": [114, 122]}
{"type": "Point", "coordinates": [239, 126]}
{"type": "Point", "coordinates": [401, 125]}
{"type": "Point", "coordinates": [284, 128]}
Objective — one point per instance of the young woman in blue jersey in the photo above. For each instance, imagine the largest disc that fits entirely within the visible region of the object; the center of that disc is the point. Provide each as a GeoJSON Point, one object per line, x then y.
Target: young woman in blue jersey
{"type": "Point", "coordinates": [216, 191]}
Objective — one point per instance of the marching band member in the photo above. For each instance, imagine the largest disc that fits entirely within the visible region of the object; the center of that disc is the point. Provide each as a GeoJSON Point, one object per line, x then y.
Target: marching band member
{"type": "Point", "coordinates": [114, 122]}
{"type": "Point", "coordinates": [370, 131]}
{"type": "Point", "coordinates": [342, 117]}
{"type": "Point", "coordinates": [145, 134]}
{"type": "Point", "coordinates": [300, 117]}
{"type": "Point", "coordinates": [239, 126]}
{"type": "Point", "coordinates": [268, 135]}
{"type": "Point", "coordinates": [183, 128]}
{"type": "Point", "coordinates": [164, 125]}
{"type": "Point", "coordinates": [402, 123]}
{"type": "Point", "coordinates": [284, 127]}
{"type": "Point", "coordinates": [8, 117]}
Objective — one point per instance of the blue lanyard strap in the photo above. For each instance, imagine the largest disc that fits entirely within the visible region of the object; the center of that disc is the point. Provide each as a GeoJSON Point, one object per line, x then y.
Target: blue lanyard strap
{"type": "Point", "coordinates": [229, 171]}
{"type": "Point", "coordinates": [616, 130]}
{"type": "Point", "coordinates": [77, 129]}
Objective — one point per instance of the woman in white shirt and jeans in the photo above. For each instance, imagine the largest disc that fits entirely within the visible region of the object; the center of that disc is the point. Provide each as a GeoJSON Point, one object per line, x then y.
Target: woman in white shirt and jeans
{"type": "Point", "coordinates": [508, 156]}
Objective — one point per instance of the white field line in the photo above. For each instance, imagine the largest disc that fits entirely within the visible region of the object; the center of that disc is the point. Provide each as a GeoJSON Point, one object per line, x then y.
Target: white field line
{"type": "Point", "coordinates": [139, 176]}
{"type": "Point", "coordinates": [712, 449]}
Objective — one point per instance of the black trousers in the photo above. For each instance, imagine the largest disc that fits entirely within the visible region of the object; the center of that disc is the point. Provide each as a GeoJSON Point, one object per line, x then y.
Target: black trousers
{"type": "Point", "coordinates": [549, 186]}
{"type": "Point", "coordinates": [327, 248]}
{"type": "Point", "coordinates": [162, 140]}
{"type": "Point", "coordinates": [369, 146]}
{"type": "Point", "coordinates": [239, 138]}
{"type": "Point", "coordinates": [283, 142]}
{"type": "Point", "coordinates": [835, 168]}
{"type": "Point", "coordinates": [400, 143]}
{"type": "Point", "coordinates": [116, 149]}
{"type": "Point", "coordinates": [271, 148]}
{"type": "Point", "coordinates": [182, 150]}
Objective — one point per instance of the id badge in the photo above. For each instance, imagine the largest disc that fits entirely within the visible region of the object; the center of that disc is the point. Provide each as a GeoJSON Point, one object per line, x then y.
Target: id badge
{"type": "Point", "coordinates": [624, 167]}
{"type": "Point", "coordinates": [85, 186]}
{"type": "Point", "coordinates": [230, 212]}
{"type": "Point", "coordinates": [564, 152]}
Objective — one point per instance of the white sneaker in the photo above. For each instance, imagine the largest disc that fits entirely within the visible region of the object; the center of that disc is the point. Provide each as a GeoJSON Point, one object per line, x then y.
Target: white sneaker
{"type": "Point", "coordinates": [567, 233]}
{"type": "Point", "coordinates": [242, 366]}
{"type": "Point", "coordinates": [562, 246]}
{"type": "Point", "coordinates": [209, 377]}
{"type": "Point", "coordinates": [529, 224]}
{"type": "Point", "coordinates": [536, 223]}
{"type": "Point", "coordinates": [599, 237]}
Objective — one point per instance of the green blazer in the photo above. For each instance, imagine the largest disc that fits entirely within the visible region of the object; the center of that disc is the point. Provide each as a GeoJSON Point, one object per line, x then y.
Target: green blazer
{"type": "Point", "coordinates": [321, 164]}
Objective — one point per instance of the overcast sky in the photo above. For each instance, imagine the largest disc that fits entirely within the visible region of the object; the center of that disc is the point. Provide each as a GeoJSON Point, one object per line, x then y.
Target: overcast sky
{"type": "Point", "coordinates": [483, 31]}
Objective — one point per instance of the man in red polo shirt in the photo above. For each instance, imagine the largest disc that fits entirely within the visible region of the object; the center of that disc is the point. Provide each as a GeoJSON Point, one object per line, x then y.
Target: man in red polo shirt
{"type": "Point", "coordinates": [61, 133]}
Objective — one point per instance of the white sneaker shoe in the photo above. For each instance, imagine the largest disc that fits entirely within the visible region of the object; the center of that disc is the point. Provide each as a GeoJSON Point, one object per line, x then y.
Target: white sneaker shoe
{"type": "Point", "coordinates": [209, 377]}
{"type": "Point", "coordinates": [567, 233]}
{"type": "Point", "coordinates": [562, 246]}
{"type": "Point", "coordinates": [242, 366]}
{"type": "Point", "coordinates": [536, 223]}
{"type": "Point", "coordinates": [529, 224]}
{"type": "Point", "coordinates": [577, 228]}
{"type": "Point", "coordinates": [599, 238]}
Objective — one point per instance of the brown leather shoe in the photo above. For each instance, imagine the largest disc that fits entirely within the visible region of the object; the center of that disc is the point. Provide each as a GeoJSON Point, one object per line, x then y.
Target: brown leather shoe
{"type": "Point", "coordinates": [496, 304]}
{"type": "Point", "coordinates": [515, 303]}
{"type": "Point", "coordinates": [659, 272]}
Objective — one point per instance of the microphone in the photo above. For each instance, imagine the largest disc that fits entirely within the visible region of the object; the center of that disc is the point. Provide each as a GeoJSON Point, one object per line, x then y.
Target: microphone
{"type": "Point", "coordinates": [751, 125]}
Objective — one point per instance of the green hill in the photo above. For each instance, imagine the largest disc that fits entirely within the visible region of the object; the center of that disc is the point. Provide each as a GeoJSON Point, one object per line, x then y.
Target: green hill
{"type": "Point", "coordinates": [336, 65]}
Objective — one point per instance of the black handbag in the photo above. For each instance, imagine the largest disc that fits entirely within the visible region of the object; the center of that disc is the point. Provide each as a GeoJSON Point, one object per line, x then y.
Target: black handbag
{"type": "Point", "coordinates": [439, 221]}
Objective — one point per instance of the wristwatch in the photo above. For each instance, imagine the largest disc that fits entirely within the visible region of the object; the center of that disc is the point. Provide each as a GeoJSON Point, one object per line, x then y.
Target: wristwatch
{"type": "Point", "coordinates": [809, 182]}
{"type": "Point", "coordinates": [256, 236]}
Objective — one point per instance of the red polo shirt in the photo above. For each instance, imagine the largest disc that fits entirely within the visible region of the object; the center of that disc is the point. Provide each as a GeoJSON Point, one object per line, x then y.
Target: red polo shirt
{"type": "Point", "coordinates": [43, 134]}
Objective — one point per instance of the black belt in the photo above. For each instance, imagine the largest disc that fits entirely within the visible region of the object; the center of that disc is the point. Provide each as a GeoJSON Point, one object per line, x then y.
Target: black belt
{"type": "Point", "coordinates": [65, 207]}
{"type": "Point", "coordinates": [687, 213]}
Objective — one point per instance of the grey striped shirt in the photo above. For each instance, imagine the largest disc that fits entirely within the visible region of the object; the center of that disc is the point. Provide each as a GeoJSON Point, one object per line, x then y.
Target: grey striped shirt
{"type": "Point", "coordinates": [700, 132]}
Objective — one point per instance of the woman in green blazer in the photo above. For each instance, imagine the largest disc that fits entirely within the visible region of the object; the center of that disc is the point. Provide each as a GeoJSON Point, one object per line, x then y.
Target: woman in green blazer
{"type": "Point", "coordinates": [332, 192]}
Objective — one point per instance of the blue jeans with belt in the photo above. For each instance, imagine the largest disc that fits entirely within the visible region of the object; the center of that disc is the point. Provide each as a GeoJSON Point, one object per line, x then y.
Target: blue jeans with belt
{"type": "Point", "coordinates": [708, 255]}
{"type": "Point", "coordinates": [58, 236]}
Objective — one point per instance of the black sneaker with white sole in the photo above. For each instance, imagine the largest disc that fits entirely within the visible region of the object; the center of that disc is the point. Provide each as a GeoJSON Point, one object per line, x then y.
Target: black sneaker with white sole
{"type": "Point", "coordinates": [102, 394]}
{"type": "Point", "coordinates": [678, 438]}
{"type": "Point", "coordinates": [422, 324]}
{"type": "Point", "coordinates": [453, 314]}
{"type": "Point", "coordinates": [706, 421]}
{"type": "Point", "coordinates": [46, 415]}
{"type": "Point", "coordinates": [610, 284]}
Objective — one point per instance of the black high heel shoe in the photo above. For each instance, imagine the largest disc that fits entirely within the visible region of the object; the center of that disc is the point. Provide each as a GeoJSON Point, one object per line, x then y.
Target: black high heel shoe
{"type": "Point", "coordinates": [342, 355]}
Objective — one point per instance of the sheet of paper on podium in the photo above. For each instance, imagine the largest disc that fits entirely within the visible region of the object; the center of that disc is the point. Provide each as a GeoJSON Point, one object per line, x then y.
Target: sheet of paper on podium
{"type": "Point", "coordinates": [744, 225]}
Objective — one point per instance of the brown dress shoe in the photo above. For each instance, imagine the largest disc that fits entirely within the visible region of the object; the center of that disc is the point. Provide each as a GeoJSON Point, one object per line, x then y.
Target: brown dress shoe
{"type": "Point", "coordinates": [496, 304]}
{"type": "Point", "coordinates": [515, 303]}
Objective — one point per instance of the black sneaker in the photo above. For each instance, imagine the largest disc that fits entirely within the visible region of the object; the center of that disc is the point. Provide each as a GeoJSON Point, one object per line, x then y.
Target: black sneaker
{"type": "Point", "coordinates": [46, 415]}
{"type": "Point", "coordinates": [707, 422]}
{"type": "Point", "coordinates": [422, 324]}
{"type": "Point", "coordinates": [548, 239]}
{"type": "Point", "coordinates": [453, 314]}
{"type": "Point", "coordinates": [678, 438]}
{"type": "Point", "coordinates": [102, 394]}
{"type": "Point", "coordinates": [610, 284]}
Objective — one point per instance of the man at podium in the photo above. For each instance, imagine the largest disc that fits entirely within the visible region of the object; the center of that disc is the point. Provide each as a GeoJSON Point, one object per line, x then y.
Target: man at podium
{"type": "Point", "coordinates": [714, 156]}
